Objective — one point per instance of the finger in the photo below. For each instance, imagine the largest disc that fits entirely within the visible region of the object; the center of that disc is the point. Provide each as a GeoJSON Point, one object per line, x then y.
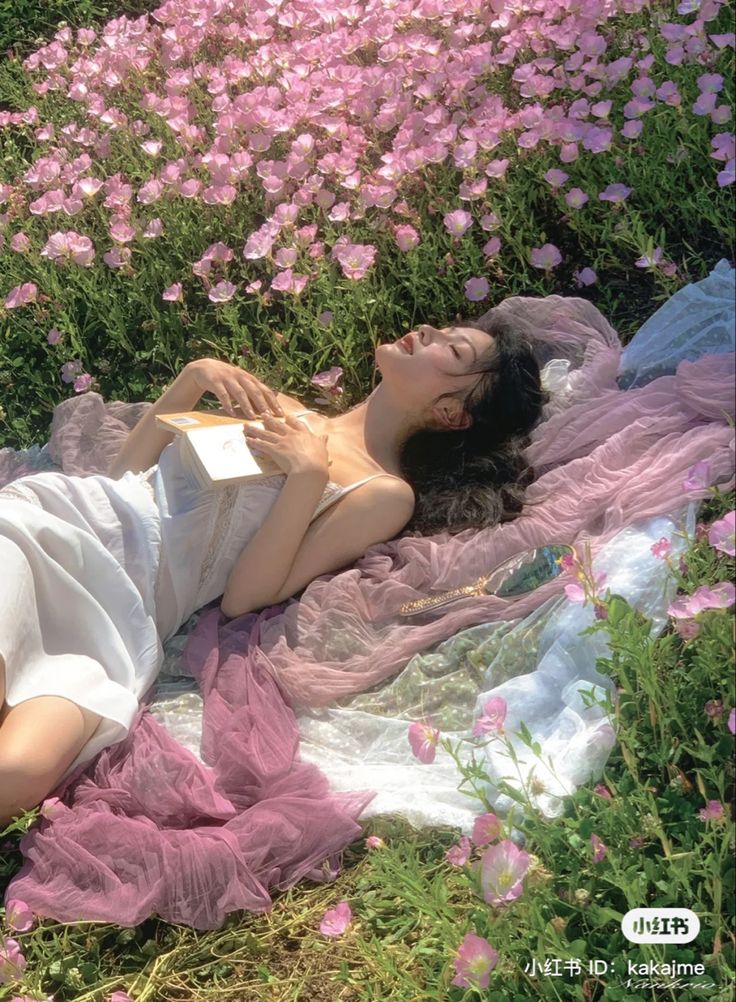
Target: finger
{"type": "Point", "coordinates": [275, 405]}
{"type": "Point", "coordinates": [255, 393]}
{"type": "Point", "coordinates": [224, 397]}
{"type": "Point", "coordinates": [263, 397]}
{"type": "Point", "coordinates": [276, 426]}
{"type": "Point", "coordinates": [241, 399]}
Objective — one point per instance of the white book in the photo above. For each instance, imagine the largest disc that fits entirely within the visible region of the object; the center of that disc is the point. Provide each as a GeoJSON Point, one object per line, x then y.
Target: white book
{"type": "Point", "coordinates": [214, 449]}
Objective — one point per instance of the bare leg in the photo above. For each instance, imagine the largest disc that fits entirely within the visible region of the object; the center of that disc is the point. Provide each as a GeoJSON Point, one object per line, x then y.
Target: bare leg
{"type": "Point", "coordinates": [2, 688]}
{"type": "Point", "coordinates": [39, 739]}
{"type": "Point", "coordinates": [4, 708]}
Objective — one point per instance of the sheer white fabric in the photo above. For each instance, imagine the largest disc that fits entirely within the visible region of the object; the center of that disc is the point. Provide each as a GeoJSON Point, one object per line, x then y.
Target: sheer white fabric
{"type": "Point", "coordinates": [698, 320]}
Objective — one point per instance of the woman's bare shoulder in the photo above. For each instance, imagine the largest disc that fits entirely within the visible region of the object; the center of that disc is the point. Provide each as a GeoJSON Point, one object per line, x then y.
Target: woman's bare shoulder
{"type": "Point", "coordinates": [290, 404]}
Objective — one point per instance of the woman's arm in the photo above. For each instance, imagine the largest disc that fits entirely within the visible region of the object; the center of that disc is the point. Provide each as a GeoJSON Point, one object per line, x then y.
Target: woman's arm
{"type": "Point", "coordinates": [372, 513]}
{"type": "Point", "coordinates": [232, 386]}
{"type": "Point", "coordinates": [145, 443]}
{"type": "Point", "coordinates": [266, 560]}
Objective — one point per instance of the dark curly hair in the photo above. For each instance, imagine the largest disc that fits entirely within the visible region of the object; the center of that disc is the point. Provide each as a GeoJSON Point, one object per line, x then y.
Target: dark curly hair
{"type": "Point", "coordinates": [477, 476]}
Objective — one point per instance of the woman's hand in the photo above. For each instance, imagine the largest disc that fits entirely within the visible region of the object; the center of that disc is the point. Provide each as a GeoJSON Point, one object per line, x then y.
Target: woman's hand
{"type": "Point", "coordinates": [290, 444]}
{"type": "Point", "coordinates": [231, 384]}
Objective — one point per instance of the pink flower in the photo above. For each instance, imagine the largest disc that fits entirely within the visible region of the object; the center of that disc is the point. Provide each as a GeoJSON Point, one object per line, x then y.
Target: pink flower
{"type": "Point", "coordinates": [218, 253]}
{"type": "Point", "coordinates": [223, 292]}
{"type": "Point", "coordinates": [576, 198]}
{"type": "Point", "coordinates": [493, 246]}
{"type": "Point", "coordinates": [120, 997]}
{"type": "Point", "coordinates": [53, 336]}
{"type": "Point", "coordinates": [459, 854]}
{"type": "Point", "coordinates": [287, 281]}
{"type": "Point", "coordinates": [599, 848]}
{"type": "Point", "coordinates": [51, 808]}
{"type": "Point", "coordinates": [285, 257]}
{"type": "Point", "coordinates": [374, 842]}
{"type": "Point", "coordinates": [722, 534]}
{"type": "Point", "coordinates": [154, 229]}
{"type": "Point", "coordinates": [713, 812]}
{"type": "Point", "coordinates": [502, 870]}
{"type": "Point", "coordinates": [118, 257]}
{"type": "Point", "coordinates": [486, 828]}
{"type": "Point", "coordinates": [721, 596]}
{"type": "Point", "coordinates": [328, 379]}
{"type": "Point", "coordinates": [20, 243]}
{"type": "Point", "coordinates": [173, 294]}
{"type": "Point", "coordinates": [556, 178]}
{"type": "Point", "coordinates": [698, 477]}
{"type": "Point", "coordinates": [474, 961]}
{"type": "Point", "coordinates": [477, 289]}
{"type": "Point", "coordinates": [406, 237]}
{"type": "Point", "coordinates": [12, 961]}
{"type": "Point", "coordinates": [458, 222]}
{"type": "Point", "coordinates": [492, 719]}
{"type": "Point", "coordinates": [687, 629]}
{"type": "Point", "coordinates": [354, 259]}
{"type": "Point", "coordinates": [70, 370]}
{"type": "Point", "coordinates": [576, 592]}
{"type": "Point", "coordinates": [82, 382]}
{"type": "Point", "coordinates": [325, 317]}
{"type": "Point", "coordinates": [585, 277]}
{"type": "Point", "coordinates": [615, 193]}
{"type": "Point", "coordinates": [546, 257]}
{"type": "Point", "coordinates": [63, 247]}
{"type": "Point", "coordinates": [423, 739]}
{"type": "Point", "coordinates": [732, 720]}
{"type": "Point", "coordinates": [121, 231]}
{"type": "Point", "coordinates": [18, 915]}
{"type": "Point", "coordinates": [645, 261]}
{"type": "Point", "coordinates": [336, 920]}
{"type": "Point", "coordinates": [21, 295]}
{"type": "Point", "coordinates": [661, 548]}
{"type": "Point", "coordinates": [602, 790]}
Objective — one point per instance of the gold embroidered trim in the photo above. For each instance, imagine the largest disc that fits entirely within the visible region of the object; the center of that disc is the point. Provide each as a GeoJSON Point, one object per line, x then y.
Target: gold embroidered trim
{"type": "Point", "coordinates": [222, 521]}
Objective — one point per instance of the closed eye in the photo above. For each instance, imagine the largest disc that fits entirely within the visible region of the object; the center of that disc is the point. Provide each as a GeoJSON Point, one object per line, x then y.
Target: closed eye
{"type": "Point", "coordinates": [457, 353]}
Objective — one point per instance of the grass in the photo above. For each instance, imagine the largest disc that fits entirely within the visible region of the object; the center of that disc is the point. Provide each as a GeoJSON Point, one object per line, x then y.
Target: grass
{"type": "Point", "coordinates": [411, 908]}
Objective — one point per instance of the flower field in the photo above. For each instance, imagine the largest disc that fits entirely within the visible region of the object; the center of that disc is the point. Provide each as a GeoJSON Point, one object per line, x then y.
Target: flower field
{"type": "Point", "coordinates": [291, 183]}
{"type": "Point", "coordinates": [285, 184]}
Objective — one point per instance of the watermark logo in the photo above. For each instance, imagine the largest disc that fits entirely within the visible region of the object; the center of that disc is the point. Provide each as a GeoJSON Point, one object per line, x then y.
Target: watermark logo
{"type": "Point", "coordinates": [660, 925]}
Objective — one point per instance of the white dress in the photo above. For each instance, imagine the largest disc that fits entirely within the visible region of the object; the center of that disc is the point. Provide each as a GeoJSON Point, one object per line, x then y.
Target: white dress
{"type": "Point", "coordinates": [96, 574]}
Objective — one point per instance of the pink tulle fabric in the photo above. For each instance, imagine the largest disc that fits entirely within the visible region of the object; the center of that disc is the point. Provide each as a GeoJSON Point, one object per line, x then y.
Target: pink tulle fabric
{"type": "Point", "coordinates": [148, 830]}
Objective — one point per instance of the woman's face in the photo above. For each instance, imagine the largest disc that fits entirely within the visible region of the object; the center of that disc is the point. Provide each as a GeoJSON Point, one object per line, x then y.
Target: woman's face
{"type": "Point", "coordinates": [430, 361]}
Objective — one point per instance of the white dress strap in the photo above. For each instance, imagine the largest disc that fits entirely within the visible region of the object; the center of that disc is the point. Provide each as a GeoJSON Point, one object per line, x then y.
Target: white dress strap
{"type": "Point", "coordinates": [334, 492]}
{"type": "Point", "coordinates": [365, 480]}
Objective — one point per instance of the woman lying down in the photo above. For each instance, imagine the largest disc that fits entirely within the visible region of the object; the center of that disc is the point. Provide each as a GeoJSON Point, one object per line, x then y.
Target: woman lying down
{"type": "Point", "coordinates": [99, 571]}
